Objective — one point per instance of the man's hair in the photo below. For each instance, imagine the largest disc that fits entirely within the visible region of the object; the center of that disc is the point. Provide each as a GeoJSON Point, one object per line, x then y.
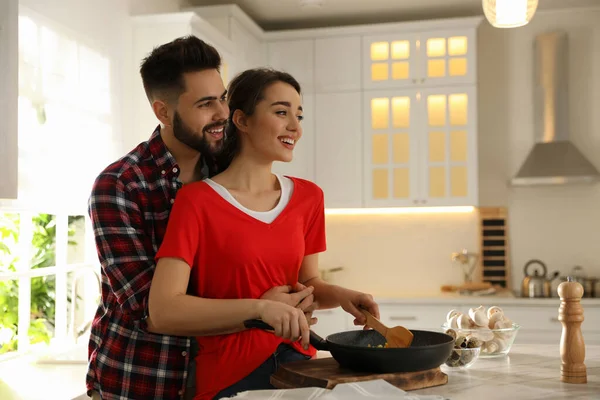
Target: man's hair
{"type": "Point", "coordinates": [162, 70]}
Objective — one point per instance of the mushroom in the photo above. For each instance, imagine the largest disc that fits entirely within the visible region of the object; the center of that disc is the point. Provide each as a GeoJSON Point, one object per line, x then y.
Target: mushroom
{"type": "Point", "coordinates": [451, 332]}
{"type": "Point", "coordinates": [478, 316]}
{"type": "Point", "coordinates": [490, 347]}
{"type": "Point", "coordinates": [493, 310]}
{"type": "Point", "coordinates": [484, 334]}
{"type": "Point", "coordinates": [451, 314]}
{"type": "Point", "coordinates": [452, 322]}
{"type": "Point", "coordinates": [498, 343]}
{"type": "Point", "coordinates": [494, 319]}
{"type": "Point", "coordinates": [464, 322]}
{"type": "Point", "coordinates": [503, 324]}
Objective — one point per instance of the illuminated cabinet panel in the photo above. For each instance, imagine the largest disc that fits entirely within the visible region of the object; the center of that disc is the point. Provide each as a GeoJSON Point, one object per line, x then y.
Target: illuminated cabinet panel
{"type": "Point", "coordinates": [448, 171]}
{"type": "Point", "coordinates": [447, 57]}
{"type": "Point", "coordinates": [389, 61]}
{"type": "Point", "coordinates": [423, 59]}
{"type": "Point", "coordinates": [420, 147]}
{"type": "Point", "coordinates": [390, 148]}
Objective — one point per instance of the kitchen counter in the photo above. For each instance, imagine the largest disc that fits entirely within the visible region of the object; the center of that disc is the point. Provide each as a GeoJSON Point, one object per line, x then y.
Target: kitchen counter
{"type": "Point", "coordinates": [498, 299]}
{"type": "Point", "coordinates": [529, 372]}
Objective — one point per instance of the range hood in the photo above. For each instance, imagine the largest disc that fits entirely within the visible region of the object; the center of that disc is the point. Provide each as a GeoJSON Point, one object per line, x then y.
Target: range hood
{"type": "Point", "coordinates": [554, 159]}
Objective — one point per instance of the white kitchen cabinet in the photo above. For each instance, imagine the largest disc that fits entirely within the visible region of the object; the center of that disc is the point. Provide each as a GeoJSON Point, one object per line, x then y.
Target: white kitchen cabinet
{"type": "Point", "coordinates": [303, 163]}
{"type": "Point", "coordinates": [338, 64]}
{"type": "Point", "coordinates": [448, 167]}
{"type": "Point", "coordinates": [249, 50]}
{"type": "Point", "coordinates": [420, 147]}
{"type": "Point", "coordinates": [330, 321]}
{"type": "Point", "coordinates": [295, 57]}
{"type": "Point", "coordinates": [246, 36]}
{"type": "Point", "coordinates": [150, 31]}
{"type": "Point", "coordinates": [395, 68]}
{"type": "Point", "coordinates": [540, 324]}
{"type": "Point", "coordinates": [338, 150]}
{"type": "Point", "coordinates": [9, 92]}
{"type": "Point", "coordinates": [538, 320]}
{"type": "Point", "coordinates": [420, 317]}
{"type": "Point", "coordinates": [419, 59]}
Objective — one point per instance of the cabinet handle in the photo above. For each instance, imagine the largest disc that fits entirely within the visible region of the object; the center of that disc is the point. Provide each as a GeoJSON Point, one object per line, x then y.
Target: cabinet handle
{"type": "Point", "coordinates": [422, 80]}
{"type": "Point", "coordinates": [554, 319]}
{"type": "Point", "coordinates": [415, 80]}
{"type": "Point", "coordinates": [403, 318]}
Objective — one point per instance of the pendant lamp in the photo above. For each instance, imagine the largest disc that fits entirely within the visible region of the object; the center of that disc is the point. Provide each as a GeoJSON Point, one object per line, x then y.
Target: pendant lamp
{"type": "Point", "coordinates": [509, 13]}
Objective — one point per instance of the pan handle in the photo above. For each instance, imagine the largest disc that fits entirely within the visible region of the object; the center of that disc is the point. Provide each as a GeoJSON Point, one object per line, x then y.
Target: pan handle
{"type": "Point", "coordinates": [315, 340]}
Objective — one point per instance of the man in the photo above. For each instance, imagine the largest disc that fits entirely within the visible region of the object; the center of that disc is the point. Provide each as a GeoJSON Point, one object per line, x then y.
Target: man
{"type": "Point", "coordinates": [129, 208]}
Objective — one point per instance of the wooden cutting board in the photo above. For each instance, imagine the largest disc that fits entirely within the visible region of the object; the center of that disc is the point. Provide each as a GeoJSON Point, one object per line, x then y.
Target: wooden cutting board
{"type": "Point", "coordinates": [326, 373]}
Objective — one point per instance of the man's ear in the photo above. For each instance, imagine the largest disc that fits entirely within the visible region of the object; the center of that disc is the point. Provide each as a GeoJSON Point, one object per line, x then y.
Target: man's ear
{"type": "Point", "coordinates": [162, 112]}
{"type": "Point", "coordinates": [240, 120]}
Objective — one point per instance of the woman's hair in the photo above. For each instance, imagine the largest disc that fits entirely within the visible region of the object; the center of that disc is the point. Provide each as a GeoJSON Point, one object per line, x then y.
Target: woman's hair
{"type": "Point", "coordinates": [245, 91]}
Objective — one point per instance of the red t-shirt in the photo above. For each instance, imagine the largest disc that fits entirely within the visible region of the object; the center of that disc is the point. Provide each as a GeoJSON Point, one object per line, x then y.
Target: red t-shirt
{"type": "Point", "coordinates": [235, 256]}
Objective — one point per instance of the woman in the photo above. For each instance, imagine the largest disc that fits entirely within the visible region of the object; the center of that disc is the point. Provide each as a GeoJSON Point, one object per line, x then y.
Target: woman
{"type": "Point", "coordinates": [235, 236]}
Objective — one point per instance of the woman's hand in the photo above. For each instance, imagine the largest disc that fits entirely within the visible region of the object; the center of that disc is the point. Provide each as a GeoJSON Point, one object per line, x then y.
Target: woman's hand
{"type": "Point", "coordinates": [352, 301]}
{"type": "Point", "coordinates": [288, 322]}
{"type": "Point", "coordinates": [298, 296]}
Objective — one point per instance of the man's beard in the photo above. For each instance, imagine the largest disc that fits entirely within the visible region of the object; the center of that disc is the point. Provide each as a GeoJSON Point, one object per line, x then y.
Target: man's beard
{"type": "Point", "coordinates": [188, 137]}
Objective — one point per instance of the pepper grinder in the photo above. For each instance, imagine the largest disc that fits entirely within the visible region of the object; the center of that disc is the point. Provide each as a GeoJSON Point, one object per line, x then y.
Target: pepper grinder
{"type": "Point", "coordinates": [572, 346]}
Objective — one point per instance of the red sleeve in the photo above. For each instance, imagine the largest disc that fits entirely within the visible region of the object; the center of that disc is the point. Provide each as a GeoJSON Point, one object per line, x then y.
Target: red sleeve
{"type": "Point", "coordinates": [182, 237]}
{"type": "Point", "coordinates": [314, 234]}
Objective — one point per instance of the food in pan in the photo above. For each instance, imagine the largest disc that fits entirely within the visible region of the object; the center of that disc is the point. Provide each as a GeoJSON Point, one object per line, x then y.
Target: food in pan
{"type": "Point", "coordinates": [380, 346]}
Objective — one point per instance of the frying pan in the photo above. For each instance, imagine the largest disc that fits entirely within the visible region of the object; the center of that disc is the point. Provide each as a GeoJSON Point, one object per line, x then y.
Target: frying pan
{"type": "Point", "coordinates": [351, 350]}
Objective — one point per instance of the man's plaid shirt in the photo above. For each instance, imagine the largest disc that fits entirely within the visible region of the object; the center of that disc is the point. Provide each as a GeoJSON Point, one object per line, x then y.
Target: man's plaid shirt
{"type": "Point", "coordinates": [129, 207]}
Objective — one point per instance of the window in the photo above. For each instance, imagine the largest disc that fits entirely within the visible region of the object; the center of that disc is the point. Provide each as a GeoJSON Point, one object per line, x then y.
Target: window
{"type": "Point", "coordinates": [49, 282]}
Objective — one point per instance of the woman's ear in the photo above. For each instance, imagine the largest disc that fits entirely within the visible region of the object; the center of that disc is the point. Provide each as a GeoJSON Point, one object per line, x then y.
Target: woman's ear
{"type": "Point", "coordinates": [240, 120]}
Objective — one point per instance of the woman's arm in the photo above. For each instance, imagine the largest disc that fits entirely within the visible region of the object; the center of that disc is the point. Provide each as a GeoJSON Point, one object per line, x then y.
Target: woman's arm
{"type": "Point", "coordinates": [326, 295]}
{"type": "Point", "coordinates": [173, 312]}
{"type": "Point", "coordinates": [331, 296]}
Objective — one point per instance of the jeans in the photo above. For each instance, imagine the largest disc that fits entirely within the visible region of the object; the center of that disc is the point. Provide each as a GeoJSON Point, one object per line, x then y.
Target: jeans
{"type": "Point", "coordinates": [260, 378]}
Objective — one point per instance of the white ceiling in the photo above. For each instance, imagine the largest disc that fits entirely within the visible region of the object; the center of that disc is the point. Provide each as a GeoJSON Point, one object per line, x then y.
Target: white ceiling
{"type": "Point", "coordinates": [288, 14]}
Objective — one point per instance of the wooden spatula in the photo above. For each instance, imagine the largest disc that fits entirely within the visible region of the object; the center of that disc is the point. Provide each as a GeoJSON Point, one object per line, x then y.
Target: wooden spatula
{"type": "Point", "coordinates": [398, 336]}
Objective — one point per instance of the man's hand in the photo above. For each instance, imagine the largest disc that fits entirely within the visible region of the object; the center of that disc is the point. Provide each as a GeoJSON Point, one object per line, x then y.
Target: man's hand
{"type": "Point", "coordinates": [352, 301]}
{"type": "Point", "coordinates": [298, 296]}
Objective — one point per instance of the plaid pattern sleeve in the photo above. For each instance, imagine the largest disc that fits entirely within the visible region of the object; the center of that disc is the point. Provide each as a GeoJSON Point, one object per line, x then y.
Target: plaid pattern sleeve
{"type": "Point", "coordinates": [124, 250]}
{"type": "Point", "coordinates": [129, 208]}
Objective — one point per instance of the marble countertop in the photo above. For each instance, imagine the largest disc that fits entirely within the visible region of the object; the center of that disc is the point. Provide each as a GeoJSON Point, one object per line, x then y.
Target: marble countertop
{"type": "Point", "coordinates": [529, 372]}
{"type": "Point", "coordinates": [455, 298]}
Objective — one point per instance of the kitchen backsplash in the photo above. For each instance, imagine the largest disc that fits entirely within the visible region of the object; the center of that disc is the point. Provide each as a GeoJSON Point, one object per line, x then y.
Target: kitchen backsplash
{"type": "Point", "coordinates": [403, 254]}
{"type": "Point", "coordinates": [409, 254]}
